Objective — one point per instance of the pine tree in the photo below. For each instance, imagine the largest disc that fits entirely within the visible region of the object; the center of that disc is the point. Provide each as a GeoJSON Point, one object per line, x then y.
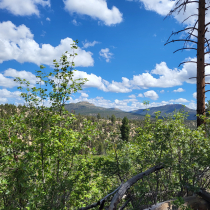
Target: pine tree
{"type": "Point", "coordinates": [113, 119]}
{"type": "Point", "coordinates": [98, 116]}
{"type": "Point", "coordinates": [125, 129]}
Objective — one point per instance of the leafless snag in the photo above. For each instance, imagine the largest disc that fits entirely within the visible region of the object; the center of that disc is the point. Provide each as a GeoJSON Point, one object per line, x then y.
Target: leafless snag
{"type": "Point", "coordinates": [203, 48]}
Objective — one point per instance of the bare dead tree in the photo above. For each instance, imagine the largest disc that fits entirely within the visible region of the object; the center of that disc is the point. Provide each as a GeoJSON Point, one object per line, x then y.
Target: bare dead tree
{"type": "Point", "coordinates": [202, 47]}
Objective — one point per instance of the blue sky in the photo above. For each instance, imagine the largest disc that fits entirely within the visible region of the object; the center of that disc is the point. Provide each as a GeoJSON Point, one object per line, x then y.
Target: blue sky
{"type": "Point", "coordinates": [121, 50]}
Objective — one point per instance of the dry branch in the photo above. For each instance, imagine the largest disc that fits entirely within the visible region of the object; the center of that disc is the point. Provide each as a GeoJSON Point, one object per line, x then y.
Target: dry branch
{"type": "Point", "coordinates": [101, 202]}
{"type": "Point", "coordinates": [186, 48]}
{"type": "Point", "coordinates": [118, 196]}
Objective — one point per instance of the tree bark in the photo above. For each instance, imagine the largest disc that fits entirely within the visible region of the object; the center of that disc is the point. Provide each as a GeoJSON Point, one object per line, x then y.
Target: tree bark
{"type": "Point", "coordinates": [200, 63]}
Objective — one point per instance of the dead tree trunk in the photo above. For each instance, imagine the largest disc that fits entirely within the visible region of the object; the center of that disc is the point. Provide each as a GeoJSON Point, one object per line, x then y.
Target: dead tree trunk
{"type": "Point", "coordinates": [202, 48]}
{"type": "Point", "coordinates": [200, 62]}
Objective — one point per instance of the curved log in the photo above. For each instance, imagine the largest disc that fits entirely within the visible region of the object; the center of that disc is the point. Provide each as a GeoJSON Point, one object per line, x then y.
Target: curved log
{"type": "Point", "coordinates": [118, 196]}
{"type": "Point", "coordinates": [101, 202]}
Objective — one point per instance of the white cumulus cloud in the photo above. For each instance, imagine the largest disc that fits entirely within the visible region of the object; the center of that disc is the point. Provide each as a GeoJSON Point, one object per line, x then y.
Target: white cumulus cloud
{"type": "Point", "coordinates": [161, 7]}
{"type": "Point", "coordinates": [97, 9]}
{"type": "Point", "coordinates": [180, 100]}
{"type": "Point", "coordinates": [23, 8]}
{"type": "Point", "coordinates": [195, 95]}
{"type": "Point", "coordinates": [151, 94]}
{"type": "Point", "coordinates": [178, 90]}
{"type": "Point", "coordinates": [16, 42]}
{"type": "Point", "coordinates": [87, 44]}
{"type": "Point", "coordinates": [132, 96]}
{"type": "Point", "coordinates": [106, 54]}
{"type": "Point", "coordinates": [140, 95]}
{"type": "Point", "coordinates": [84, 95]}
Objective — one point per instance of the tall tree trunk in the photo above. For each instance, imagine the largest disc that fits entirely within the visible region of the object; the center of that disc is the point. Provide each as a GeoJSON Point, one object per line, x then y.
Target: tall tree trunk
{"type": "Point", "coordinates": [200, 62]}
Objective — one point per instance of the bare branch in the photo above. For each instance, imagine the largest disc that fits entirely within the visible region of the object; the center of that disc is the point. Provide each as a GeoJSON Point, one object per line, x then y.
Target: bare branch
{"type": "Point", "coordinates": [181, 40]}
{"type": "Point", "coordinates": [192, 77]}
{"type": "Point", "coordinates": [180, 5]}
{"type": "Point", "coordinates": [189, 17]}
{"type": "Point", "coordinates": [125, 204]}
{"type": "Point", "coordinates": [187, 48]}
{"type": "Point", "coordinates": [101, 202]}
{"type": "Point", "coordinates": [187, 62]}
{"type": "Point", "coordinates": [176, 33]}
{"type": "Point", "coordinates": [194, 35]}
{"type": "Point", "coordinates": [118, 196]}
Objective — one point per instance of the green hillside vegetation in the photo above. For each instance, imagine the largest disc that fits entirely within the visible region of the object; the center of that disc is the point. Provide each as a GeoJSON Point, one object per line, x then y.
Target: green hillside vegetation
{"type": "Point", "coordinates": [57, 160]}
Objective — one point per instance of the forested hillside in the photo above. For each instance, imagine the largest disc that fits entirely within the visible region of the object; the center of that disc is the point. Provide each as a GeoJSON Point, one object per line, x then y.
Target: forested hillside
{"type": "Point", "coordinates": [100, 160]}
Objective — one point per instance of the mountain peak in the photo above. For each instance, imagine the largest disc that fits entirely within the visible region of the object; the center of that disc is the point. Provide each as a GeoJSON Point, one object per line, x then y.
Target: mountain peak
{"type": "Point", "coordinates": [85, 103]}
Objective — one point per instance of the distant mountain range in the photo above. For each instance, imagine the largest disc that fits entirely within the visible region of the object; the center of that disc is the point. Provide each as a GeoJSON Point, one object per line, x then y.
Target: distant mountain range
{"type": "Point", "coordinates": [166, 110]}
{"type": "Point", "coordinates": [86, 108]}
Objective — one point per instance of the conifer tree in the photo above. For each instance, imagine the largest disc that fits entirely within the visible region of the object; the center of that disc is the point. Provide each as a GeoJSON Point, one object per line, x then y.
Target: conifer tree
{"type": "Point", "coordinates": [113, 119]}
{"type": "Point", "coordinates": [98, 116]}
{"type": "Point", "coordinates": [125, 129]}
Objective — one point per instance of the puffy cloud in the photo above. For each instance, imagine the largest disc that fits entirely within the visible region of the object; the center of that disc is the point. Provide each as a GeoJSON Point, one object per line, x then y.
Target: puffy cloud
{"type": "Point", "coordinates": [7, 82]}
{"type": "Point", "coordinates": [161, 7]}
{"type": "Point", "coordinates": [23, 8]}
{"type": "Point", "coordinates": [118, 87]}
{"type": "Point", "coordinates": [162, 91]}
{"type": "Point", "coordinates": [106, 54]}
{"type": "Point", "coordinates": [192, 105]}
{"type": "Point", "coordinates": [132, 96]}
{"type": "Point", "coordinates": [4, 93]}
{"type": "Point", "coordinates": [16, 42]}
{"type": "Point", "coordinates": [48, 19]}
{"type": "Point", "coordinates": [180, 100]}
{"type": "Point", "coordinates": [3, 100]}
{"type": "Point", "coordinates": [165, 6]}
{"type": "Point", "coordinates": [168, 77]}
{"type": "Point", "coordinates": [178, 90]}
{"type": "Point", "coordinates": [140, 95]}
{"type": "Point", "coordinates": [93, 80]}
{"type": "Point", "coordinates": [87, 44]}
{"type": "Point", "coordinates": [151, 94]}
{"type": "Point", "coordinates": [22, 74]}
{"type": "Point", "coordinates": [195, 95]}
{"type": "Point", "coordinates": [7, 96]}
{"type": "Point", "coordinates": [97, 9]}
{"type": "Point", "coordinates": [84, 95]}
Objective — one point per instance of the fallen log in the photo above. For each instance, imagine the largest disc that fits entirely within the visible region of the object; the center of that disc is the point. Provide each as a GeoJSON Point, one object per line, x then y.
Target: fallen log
{"type": "Point", "coordinates": [118, 196]}
{"type": "Point", "coordinates": [100, 202]}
